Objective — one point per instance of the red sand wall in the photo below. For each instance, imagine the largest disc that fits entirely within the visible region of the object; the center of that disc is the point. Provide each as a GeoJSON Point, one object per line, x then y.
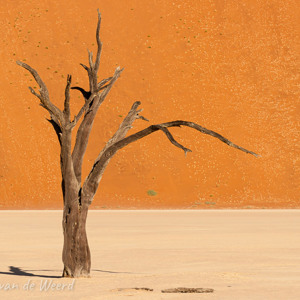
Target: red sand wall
{"type": "Point", "coordinates": [230, 66]}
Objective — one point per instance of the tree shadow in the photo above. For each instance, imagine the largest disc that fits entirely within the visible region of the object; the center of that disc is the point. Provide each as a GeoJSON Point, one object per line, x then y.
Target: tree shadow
{"type": "Point", "coordinates": [19, 272]}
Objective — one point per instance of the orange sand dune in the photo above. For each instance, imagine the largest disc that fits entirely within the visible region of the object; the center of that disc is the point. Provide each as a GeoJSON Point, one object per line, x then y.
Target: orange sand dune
{"type": "Point", "coordinates": [231, 67]}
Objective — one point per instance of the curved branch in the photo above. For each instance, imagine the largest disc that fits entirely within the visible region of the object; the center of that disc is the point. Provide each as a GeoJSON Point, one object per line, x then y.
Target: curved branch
{"type": "Point", "coordinates": [57, 129]}
{"type": "Point", "coordinates": [99, 44]}
{"type": "Point", "coordinates": [85, 67]}
{"type": "Point", "coordinates": [173, 141]}
{"type": "Point", "coordinates": [163, 127]}
{"type": "Point", "coordinates": [84, 93]}
{"type": "Point", "coordinates": [92, 181]}
{"type": "Point", "coordinates": [208, 132]}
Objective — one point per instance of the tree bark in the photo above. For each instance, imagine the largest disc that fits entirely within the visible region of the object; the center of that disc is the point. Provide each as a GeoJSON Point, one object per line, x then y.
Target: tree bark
{"type": "Point", "coordinates": [76, 253]}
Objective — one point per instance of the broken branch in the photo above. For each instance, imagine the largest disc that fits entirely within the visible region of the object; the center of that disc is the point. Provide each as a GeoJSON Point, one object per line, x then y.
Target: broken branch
{"type": "Point", "coordinates": [67, 99]}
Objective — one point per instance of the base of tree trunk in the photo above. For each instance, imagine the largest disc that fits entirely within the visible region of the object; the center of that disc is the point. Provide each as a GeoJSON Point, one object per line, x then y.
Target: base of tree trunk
{"type": "Point", "coordinates": [76, 253]}
{"type": "Point", "coordinates": [75, 274]}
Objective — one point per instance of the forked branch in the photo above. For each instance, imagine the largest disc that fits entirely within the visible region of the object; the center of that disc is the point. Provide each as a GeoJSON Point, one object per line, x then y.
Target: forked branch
{"type": "Point", "coordinates": [89, 110]}
{"type": "Point", "coordinates": [55, 113]}
{"type": "Point", "coordinates": [83, 109]}
{"type": "Point", "coordinates": [125, 126]}
{"type": "Point", "coordinates": [93, 179]}
{"type": "Point", "coordinates": [208, 132]}
{"type": "Point", "coordinates": [93, 99]}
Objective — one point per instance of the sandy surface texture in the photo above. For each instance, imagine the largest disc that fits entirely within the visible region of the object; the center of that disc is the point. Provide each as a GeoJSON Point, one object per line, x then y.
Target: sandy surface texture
{"type": "Point", "coordinates": [240, 254]}
{"type": "Point", "coordinates": [230, 66]}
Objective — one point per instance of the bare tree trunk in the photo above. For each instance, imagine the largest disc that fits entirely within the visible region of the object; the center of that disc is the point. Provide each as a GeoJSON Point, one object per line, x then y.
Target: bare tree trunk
{"type": "Point", "coordinates": [76, 253]}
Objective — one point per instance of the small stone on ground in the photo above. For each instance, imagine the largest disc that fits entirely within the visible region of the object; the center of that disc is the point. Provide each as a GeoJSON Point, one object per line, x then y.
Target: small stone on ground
{"type": "Point", "coordinates": [188, 290]}
{"type": "Point", "coordinates": [134, 289]}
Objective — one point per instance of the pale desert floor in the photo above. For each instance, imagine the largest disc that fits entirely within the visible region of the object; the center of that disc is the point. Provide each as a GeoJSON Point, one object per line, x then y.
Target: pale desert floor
{"type": "Point", "coordinates": [249, 254]}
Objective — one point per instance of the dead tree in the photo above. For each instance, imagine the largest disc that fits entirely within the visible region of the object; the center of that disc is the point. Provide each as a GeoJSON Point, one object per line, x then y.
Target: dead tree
{"type": "Point", "coordinates": [78, 195]}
